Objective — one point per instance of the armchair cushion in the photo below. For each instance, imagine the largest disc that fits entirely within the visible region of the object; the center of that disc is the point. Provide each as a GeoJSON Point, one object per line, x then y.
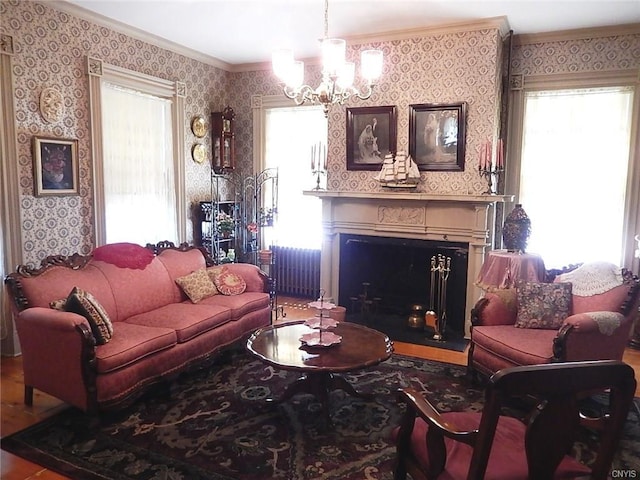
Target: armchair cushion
{"type": "Point", "coordinates": [543, 305]}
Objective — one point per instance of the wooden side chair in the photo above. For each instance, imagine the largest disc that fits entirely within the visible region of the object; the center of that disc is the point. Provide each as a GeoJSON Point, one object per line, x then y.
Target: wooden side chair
{"type": "Point", "coordinates": [458, 445]}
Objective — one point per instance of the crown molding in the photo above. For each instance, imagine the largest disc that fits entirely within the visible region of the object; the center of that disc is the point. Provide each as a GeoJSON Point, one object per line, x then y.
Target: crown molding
{"type": "Point", "coordinates": [83, 13]}
{"type": "Point", "coordinates": [495, 23]}
{"type": "Point", "coordinates": [577, 34]}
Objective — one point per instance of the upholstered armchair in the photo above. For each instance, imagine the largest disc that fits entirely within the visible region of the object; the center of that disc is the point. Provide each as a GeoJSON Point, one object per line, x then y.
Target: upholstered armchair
{"type": "Point", "coordinates": [471, 445]}
{"type": "Point", "coordinates": [583, 314]}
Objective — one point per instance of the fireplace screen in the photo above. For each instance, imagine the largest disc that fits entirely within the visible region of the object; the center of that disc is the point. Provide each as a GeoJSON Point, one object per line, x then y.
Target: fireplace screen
{"type": "Point", "coordinates": [382, 276]}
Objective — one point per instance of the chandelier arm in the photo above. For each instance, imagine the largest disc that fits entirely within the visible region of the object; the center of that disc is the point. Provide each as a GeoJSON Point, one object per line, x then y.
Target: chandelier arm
{"type": "Point", "coordinates": [366, 93]}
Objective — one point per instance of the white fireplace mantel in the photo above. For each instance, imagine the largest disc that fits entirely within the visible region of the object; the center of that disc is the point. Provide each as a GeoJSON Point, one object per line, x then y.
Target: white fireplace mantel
{"type": "Point", "coordinates": [441, 217]}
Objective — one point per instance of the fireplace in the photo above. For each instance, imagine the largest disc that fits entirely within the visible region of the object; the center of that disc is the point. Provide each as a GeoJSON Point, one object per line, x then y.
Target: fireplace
{"type": "Point", "coordinates": [396, 274]}
{"type": "Point", "coordinates": [452, 221]}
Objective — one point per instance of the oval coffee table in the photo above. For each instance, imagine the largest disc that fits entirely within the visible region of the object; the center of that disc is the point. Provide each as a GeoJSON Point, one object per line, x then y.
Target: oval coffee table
{"type": "Point", "coordinates": [280, 346]}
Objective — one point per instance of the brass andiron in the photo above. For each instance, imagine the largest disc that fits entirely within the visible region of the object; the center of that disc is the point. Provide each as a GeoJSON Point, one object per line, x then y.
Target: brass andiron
{"type": "Point", "coordinates": [437, 316]}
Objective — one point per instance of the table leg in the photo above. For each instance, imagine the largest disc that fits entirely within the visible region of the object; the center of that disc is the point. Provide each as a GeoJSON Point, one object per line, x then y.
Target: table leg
{"type": "Point", "coordinates": [320, 385]}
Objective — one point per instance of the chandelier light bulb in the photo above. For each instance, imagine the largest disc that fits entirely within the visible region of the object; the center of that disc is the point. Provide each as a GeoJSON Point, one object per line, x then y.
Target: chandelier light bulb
{"type": "Point", "coordinates": [334, 51]}
{"type": "Point", "coordinates": [371, 65]}
{"type": "Point", "coordinates": [282, 62]}
{"type": "Point", "coordinates": [338, 75]}
{"type": "Point", "coordinates": [346, 75]}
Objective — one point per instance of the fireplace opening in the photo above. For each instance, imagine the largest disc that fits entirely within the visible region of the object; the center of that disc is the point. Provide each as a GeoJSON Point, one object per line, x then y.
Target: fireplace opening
{"type": "Point", "coordinates": [382, 276]}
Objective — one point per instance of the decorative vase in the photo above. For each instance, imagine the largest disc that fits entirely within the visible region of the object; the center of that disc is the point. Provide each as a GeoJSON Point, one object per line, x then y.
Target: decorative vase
{"type": "Point", "coordinates": [416, 318]}
{"type": "Point", "coordinates": [516, 230]}
{"type": "Point", "coordinates": [231, 255]}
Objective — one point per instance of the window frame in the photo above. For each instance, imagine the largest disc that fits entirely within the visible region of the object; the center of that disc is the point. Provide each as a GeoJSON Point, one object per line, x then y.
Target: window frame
{"type": "Point", "coordinates": [100, 72]}
{"type": "Point", "coordinates": [520, 85]}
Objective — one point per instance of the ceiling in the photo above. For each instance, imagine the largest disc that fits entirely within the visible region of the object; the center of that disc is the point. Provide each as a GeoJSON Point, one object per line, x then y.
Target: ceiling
{"type": "Point", "coordinates": [247, 31]}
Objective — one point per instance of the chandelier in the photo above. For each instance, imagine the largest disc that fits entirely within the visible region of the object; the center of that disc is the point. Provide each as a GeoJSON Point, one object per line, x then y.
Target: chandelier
{"type": "Point", "coordinates": [337, 74]}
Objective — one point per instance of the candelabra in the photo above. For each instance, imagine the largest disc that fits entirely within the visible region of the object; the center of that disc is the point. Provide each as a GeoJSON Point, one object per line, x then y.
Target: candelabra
{"type": "Point", "coordinates": [318, 172]}
{"type": "Point", "coordinates": [491, 172]}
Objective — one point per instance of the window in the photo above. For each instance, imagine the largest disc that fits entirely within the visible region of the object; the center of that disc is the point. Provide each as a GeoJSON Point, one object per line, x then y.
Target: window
{"type": "Point", "coordinates": [138, 151]}
{"type": "Point", "coordinates": [573, 179]}
{"type": "Point", "coordinates": [139, 193]}
{"type": "Point", "coordinates": [289, 134]}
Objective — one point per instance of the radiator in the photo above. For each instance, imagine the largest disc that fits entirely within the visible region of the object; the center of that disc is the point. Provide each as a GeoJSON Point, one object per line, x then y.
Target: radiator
{"type": "Point", "coordinates": [297, 271]}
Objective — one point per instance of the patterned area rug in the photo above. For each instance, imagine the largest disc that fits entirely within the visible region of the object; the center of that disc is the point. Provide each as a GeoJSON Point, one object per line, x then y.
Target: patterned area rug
{"type": "Point", "coordinates": [215, 424]}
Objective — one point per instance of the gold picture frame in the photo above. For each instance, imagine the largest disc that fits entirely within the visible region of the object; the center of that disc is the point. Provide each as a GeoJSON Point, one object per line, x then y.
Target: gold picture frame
{"type": "Point", "coordinates": [55, 166]}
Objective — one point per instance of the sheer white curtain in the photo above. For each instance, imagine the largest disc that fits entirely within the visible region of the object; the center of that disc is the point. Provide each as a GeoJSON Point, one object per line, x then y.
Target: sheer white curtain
{"type": "Point", "coordinates": [573, 178]}
{"type": "Point", "coordinates": [289, 134]}
{"type": "Point", "coordinates": [139, 188]}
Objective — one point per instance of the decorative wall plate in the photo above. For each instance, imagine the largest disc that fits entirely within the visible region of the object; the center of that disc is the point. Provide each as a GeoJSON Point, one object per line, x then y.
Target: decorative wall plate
{"type": "Point", "coordinates": [199, 153]}
{"type": "Point", "coordinates": [198, 126]}
{"type": "Point", "coordinates": [51, 105]}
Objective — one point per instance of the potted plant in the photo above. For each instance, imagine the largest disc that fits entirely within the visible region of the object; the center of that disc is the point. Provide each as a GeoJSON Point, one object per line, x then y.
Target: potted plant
{"type": "Point", "coordinates": [225, 224]}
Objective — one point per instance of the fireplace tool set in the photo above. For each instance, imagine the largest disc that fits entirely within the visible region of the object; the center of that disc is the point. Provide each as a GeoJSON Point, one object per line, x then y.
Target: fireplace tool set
{"type": "Point", "coordinates": [436, 316]}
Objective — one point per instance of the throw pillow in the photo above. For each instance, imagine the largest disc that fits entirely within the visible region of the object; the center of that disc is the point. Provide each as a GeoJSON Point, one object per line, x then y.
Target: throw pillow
{"type": "Point", "coordinates": [197, 285]}
{"type": "Point", "coordinates": [543, 305]}
{"type": "Point", "coordinates": [213, 272]}
{"type": "Point", "coordinates": [229, 283]}
{"type": "Point", "coordinates": [85, 304]}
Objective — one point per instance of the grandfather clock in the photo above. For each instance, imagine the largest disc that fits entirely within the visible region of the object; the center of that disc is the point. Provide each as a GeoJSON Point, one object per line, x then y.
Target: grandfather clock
{"type": "Point", "coordinates": [223, 140]}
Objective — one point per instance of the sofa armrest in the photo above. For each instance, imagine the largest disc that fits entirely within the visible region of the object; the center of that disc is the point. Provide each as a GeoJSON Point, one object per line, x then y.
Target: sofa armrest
{"type": "Point", "coordinates": [58, 354]}
{"type": "Point", "coordinates": [256, 279]}
{"type": "Point", "coordinates": [497, 307]}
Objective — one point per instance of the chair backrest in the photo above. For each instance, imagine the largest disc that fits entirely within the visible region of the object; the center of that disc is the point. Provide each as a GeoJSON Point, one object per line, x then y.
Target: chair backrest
{"type": "Point", "coordinates": [558, 389]}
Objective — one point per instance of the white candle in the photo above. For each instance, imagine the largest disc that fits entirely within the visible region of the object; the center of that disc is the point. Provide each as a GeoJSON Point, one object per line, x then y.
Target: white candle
{"type": "Point", "coordinates": [313, 157]}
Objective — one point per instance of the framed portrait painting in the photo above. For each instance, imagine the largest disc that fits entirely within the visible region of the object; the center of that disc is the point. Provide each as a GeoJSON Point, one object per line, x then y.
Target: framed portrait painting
{"type": "Point", "coordinates": [55, 166]}
{"type": "Point", "coordinates": [437, 135]}
{"type": "Point", "coordinates": [371, 134]}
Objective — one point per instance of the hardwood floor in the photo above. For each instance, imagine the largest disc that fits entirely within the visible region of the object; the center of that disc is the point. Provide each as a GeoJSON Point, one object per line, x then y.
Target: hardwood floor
{"type": "Point", "coordinates": [16, 416]}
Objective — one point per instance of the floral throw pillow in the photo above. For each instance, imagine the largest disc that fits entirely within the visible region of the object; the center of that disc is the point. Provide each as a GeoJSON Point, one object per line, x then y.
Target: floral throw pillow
{"type": "Point", "coordinates": [197, 285]}
{"type": "Point", "coordinates": [229, 283]}
{"type": "Point", "coordinates": [543, 305]}
{"type": "Point", "coordinates": [85, 304]}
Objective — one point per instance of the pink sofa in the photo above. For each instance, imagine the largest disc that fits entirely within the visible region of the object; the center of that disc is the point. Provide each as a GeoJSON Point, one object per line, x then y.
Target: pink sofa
{"type": "Point", "coordinates": [157, 331]}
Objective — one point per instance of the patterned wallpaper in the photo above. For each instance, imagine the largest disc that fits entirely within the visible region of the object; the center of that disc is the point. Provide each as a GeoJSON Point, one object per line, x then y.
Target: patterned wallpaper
{"type": "Point", "coordinates": [572, 56]}
{"type": "Point", "coordinates": [50, 50]}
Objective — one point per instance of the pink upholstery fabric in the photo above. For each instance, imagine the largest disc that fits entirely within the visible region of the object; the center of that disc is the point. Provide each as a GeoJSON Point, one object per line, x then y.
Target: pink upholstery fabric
{"type": "Point", "coordinates": [500, 310]}
{"type": "Point", "coordinates": [179, 264]}
{"type": "Point", "coordinates": [62, 378]}
{"type": "Point", "coordinates": [609, 301]}
{"type": "Point", "coordinates": [504, 463]}
{"type": "Point", "coordinates": [241, 304]}
{"type": "Point", "coordinates": [131, 343]}
{"type": "Point", "coordinates": [57, 282]}
{"type": "Point", "coordinates": [249, 273]}
{"type": "Point", "coordinates": [187, 319]}
{"type": "Point", "coordinates": [520, 346]}
{"type": "Point", "coordinates": [138, 291]}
